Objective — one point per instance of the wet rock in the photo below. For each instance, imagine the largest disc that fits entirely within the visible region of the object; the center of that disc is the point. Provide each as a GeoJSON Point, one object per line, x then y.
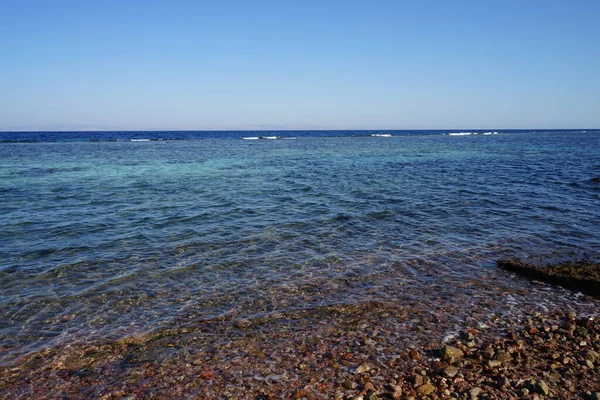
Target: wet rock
{"type": "Point", "coordinates": [451, 354]}
{"type": "Point", "coordinates": [474, 393]}
{"type": "Point", "coordinates": [488, 354]}
{"type": "Point", "coordinates": [396, 392]}
{"type": "Point", "coordinates": [468, 335]}
{"type": "Point", "coordinates": [414, 354]}
{"type": "Point", "coordinates": [592, 355]}
{"type": "Point", "coordinates": [582, 275]}
{"type": "Point", "coordinates": [371, 396]}
{"type": "Point", "coordinates": [302, 393]}
{"type": "Point", "coordinates": [581, 331]}
{"type": "Point", "coordinates": [503, 357]}
{"type": "Point", "coordinates": [208, 374]}
{"type": "Point", "coordinates": [503, 382]}
{"type": "Point", "coordinates": [350, 384]}
{"type": "Point", "coordinates": [494, 363]}
{"type": "Point", "coordinates": [541, 387]}
{"type": "Point", "coordinates": [450, 371]}
{"type": "Point", "coordinates": [243, 323]}
{"type": "Point", "coordinates": [425, 389]}
{"type": "Point", "coordinates": [366, 367]}
{"type": "Point", "coordinates": [418, 380]}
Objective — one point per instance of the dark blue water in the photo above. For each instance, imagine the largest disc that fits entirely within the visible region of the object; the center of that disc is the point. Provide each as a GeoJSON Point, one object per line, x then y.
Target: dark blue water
{"type": "Point", "coordinates": [120, 136]}
{"type": "Point", "coordinates": [101, 236]}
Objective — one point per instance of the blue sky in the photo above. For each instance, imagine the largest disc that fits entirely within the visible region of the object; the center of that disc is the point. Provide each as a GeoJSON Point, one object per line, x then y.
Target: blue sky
{"type": "Point", "coordinates": [79, 65]}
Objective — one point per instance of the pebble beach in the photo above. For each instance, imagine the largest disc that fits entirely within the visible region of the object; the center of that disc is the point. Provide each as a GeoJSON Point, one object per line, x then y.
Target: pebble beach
{"type": "Point", "coordinates": [352, 352]}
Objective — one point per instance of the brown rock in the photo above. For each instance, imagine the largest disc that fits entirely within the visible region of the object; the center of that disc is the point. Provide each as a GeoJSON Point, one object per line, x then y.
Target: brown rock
{"type": "Point", "coordinates": [451, 354]}
{"type": "Point", "coordinates": [503, 382]}
{"type": "Point", "coordinates": [350, 384]}
{"type": "Point", "coordinates": [299, 394]}
{"type": "Point", "coordinates": [371, 395]}
{"type": "Point", "coordinates": [592, 355]}
{"type": "Point", "coordinates": [243, 323]}
{"type": "Point", "coordinates": [414, 354]}
{"type": "Point", "coordinates": [503, 357]}
{"type": "Point", "coordinates": [488, 354]}
{"type": "Point", "coordinates": [418, 380]}
{"type": "Point", "coordinates": [365, 367]}
{"type": "Point", "coordinates": [208, 374]}
{"type": "Point", "coordinates": [397, 392]}
{"type": "Point", "coordinates": [541, 387]}
{"type": "Point", "coordinates": [450, 372]}
{"type": "Point", "coordinates": [425, 389]}
{"type": "Point", "coordinates": [474, 393]}
{"type": "Point", "coordinates": [469, 335]}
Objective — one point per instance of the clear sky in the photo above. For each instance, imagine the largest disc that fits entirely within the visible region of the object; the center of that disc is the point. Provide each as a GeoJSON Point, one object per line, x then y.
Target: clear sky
{"type": "Point", "coordinates": [302, 64]}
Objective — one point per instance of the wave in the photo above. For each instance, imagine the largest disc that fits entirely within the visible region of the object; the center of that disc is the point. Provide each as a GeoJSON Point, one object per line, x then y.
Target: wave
{"type": "Point", "coordinates": [143, 136]}
{"type": "Point", "coordinates": [469, 133]}
{"type": "Point", "coordinates": [268, 138]}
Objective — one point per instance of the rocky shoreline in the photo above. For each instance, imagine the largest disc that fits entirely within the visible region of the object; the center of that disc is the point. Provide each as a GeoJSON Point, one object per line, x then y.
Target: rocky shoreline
{"type": "Point", "coordinates": [338, 352]}
{"type": "Point", "coordinates": [366, 351]}
{"type": "Point", "coordinates": [582, 275]}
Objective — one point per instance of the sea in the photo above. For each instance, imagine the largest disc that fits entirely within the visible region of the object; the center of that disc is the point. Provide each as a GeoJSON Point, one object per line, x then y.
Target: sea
{"type": "Point", "coordinates": [109, 234]}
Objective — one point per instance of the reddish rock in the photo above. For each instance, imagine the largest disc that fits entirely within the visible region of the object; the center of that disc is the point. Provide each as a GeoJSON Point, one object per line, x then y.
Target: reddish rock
{"type": "Point", "coordinates": [208, 374]}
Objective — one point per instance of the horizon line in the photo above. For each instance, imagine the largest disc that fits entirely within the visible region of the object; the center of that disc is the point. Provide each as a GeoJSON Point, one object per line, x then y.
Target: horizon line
{"type": "Point", "coordinates": [283, 130]}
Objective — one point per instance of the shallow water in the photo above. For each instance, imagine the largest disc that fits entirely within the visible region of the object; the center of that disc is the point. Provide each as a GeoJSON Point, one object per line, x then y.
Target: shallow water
{"type": "Point", "coordinates": [105, 239]}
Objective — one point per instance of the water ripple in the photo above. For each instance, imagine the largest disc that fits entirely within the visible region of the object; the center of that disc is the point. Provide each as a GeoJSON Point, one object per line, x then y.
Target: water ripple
{"type": "Point", "coordinates": [105, 239]}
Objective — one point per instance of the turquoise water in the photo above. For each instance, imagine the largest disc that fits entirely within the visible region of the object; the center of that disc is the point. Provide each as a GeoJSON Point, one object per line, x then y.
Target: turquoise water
{"type": "Point", "coordinates": [105, 239]}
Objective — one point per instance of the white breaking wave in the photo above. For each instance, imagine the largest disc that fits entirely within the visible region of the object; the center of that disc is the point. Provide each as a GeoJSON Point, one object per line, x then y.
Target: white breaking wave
{"type": "Point", "coordinates": [139, 140]}
{"type": "Point", "coordinates": [470, 133]}
{"type": "Point", "coordinates": [267, 138]}
{"type": "Point", "coordinates": [382, 135]}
